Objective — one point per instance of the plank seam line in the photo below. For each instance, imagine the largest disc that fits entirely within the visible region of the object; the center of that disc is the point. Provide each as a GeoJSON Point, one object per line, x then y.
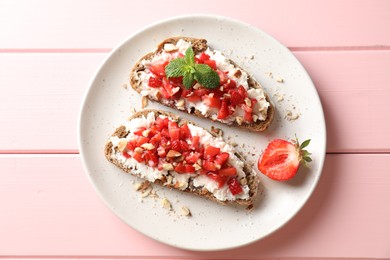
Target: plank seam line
{"type": "Point", "coordinates": [107, 50]}
{"type": "Point", "coordinates": [54, 153]}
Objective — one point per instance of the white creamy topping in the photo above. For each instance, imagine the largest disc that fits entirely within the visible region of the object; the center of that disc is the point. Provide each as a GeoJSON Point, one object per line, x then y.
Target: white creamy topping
{"type": "Point", "coordinates": [223, 64]}
{"type": "Point", "coordinates": [152, 173]}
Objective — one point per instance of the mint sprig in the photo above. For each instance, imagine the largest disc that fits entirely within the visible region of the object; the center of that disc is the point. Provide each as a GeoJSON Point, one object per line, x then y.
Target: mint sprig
{"type": "Point", "coordinates": [191, 71]}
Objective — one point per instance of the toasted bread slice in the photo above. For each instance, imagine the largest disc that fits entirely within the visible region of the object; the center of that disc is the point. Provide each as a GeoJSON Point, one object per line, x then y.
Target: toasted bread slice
{"type": "Point", "coordinates": [120, 152]}
{"type": "Point", "coordinates": [261, 111]}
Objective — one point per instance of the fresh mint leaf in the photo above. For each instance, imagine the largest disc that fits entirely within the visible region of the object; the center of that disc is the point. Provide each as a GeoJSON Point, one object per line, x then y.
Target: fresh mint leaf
{"type": "Point", "coordinates": [188, 80]}
{"type": "Point", "coordinates": [175, 68]}
{"type": "Point", "coordinates": [191, 71]}
{"type": "Point", "coordinates": [190, 57]}
{"type": "Point", "coordinates": [206, 76]}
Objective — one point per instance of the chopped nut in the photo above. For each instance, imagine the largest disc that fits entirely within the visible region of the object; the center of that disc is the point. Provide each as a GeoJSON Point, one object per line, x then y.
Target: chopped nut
{"type": "Point", "coordinates": [180, 185]}
{"type": "Point", "coordinates": [175, 90]}
{"type": "Point", "coordinates": [166, 204]}
{"type": "Point", "coordinates": [158, 95]}
{"type": "Point", "coordinates": [124, 85]}
{"type": "Point", "coordinates": [218, 166]}
{"type": "Point", "coordinates": [122, 145]}
{"type": "Point", "coordinates": [138, 150]}
{"type": "Point", "coordinates": [243, 181]}
{"type": "Point", "coordinates": [167, 166]}
{"type": "Point", "coordinates": [173, 154]}
{"type": "Point", "coordinates": [269, 74]}
{"type": "Point", "coordinates": [255, 117]}
{"type": "Point", "coordinates": [239, 120]}
{"type": "Point", "coordinates": [197, 166]}
{"type": "Point", "coordinates": [146, 192]}
{"type": "Point", "coordinates": [234, 144]}
{"type": "Point", "coordinates": [180, 103]}
{"type": "Point", "coordinates": [248, 102]}
{"type": "Point", "coordinates": [137, 186]}
{"type": "Point", "coordinates": [179, 158]}
{"type": "Point", "coordinates": [148, 146]}
{"type": "Point", "coordinates": [237, 74]}
{"type": "Point", "coordinates": [290, 116]}
{"type": "Point", "coordinates": [185, 211]}
{"type": "Point", "coordinates": [145, 133]}
{"type": "Point", "coordinates": [196, 86]}
{"type": "Point", "coordinates": [144, 102]}
{"type": "Point", "coordinates": [216, 131]}
{"type": "Point", "coordinates": [169, 180]}
{"type": "Point", "coordinates": [279, 79]}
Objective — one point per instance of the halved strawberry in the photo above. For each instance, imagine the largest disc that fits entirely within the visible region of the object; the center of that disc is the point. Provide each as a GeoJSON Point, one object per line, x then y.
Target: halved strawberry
{"type": "Point", "coordinates": [280, 160]}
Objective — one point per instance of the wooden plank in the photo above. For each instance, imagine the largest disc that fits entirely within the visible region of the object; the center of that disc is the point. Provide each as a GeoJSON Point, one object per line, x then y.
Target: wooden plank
{"type": "Point", "coordinates": [42, 24]}
{"type": "Point", "coordinates": [354, 91]}
{"type": "Point", "coordinates": [48, 208]}
{"type": "Point", "coordinates": [40, 98]}
{"type": "Point", "coordinates": [42, 117]}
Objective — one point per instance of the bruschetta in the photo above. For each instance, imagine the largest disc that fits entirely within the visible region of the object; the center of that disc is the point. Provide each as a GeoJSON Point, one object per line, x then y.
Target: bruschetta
{"type": "Point", "coordinates": [235, 99]}
{"type": "Point", "coordinates": [161, 148]}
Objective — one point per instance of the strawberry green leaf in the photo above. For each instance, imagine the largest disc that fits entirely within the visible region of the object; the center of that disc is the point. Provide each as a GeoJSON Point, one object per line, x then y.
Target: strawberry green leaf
{"type": "Point", "coordinates": [305, 143]}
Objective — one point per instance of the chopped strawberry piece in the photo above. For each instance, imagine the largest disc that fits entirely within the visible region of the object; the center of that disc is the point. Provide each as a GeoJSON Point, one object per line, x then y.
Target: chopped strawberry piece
{"type": "Point", "coordinates": [152, 158]}
{"type": "Point", "coordinates": [222, 77]}
{"type": "Point", "coordinates": [201, 92]}
{"type": "Point", "coordinates": [132, 144]}
{"type": "Point", "coordinates": [185, 132]}
{"type": "Point", "coordinates": [176, 145]}
{"type": "Point", "coordinates": [172, 125]}
{"type": "Point", "coordinates": [138, 157]}
{"type": "Point", "coordinates": [174, 134]}
{"type": "Point", "coordinates": [189, 168]}
{"type": "Point", "coordinates": [211, 151]}
{"type": "Point", "coordinates": [180, 168]}
{"type": "Point", "coordinates": [230, 84]}
{"type": "Point", "coordinates": [165, 132]}
{"type": "Point", "coordinates": [155, 82]}
{"type": "Point", "coordinates": [228, 171]}
{"type": "Point", "coordinates": [212, 101]}
{"type": "Point", "coordinates": [221, 158]}
{"type": "Point", "coordinates": [242, 91]}
{"type": "Point", "coordinates": [192, 158]}
{"type": "Point", "coordinates": [184, 146]}
{"type": "Point", "coordinates": [219, 179]}
{"type": "Point", "coordinates": [236, 98]}
{"type": "Point", "coordinates": [195, 142]}
{"type": "Point", "coordinates": [176, 81]}
{"type": "Point", "coordinates": [194, 98]}
{"type": "Point", "coordinates": [142, 140]}
{"type": "Point", "coordinates": [234, 186]}
{"type": "Point", "coordinates": [224, 110]}
{"type": "Point", "coordinates": [158, 69]}
{"type": "Point", "coordinates": [156, 139]}
{"type": "Point", "coordinates": [126, 155]}
{"type": "Point", "coordinates": [209, 166]}
{"type": "Point", "coordinates": [139, 131]}
{"type": "Point", "coordinates": [161, 123]}
{"type": "Point", "coordinates": [211, 63]}
{"type": "Point", "coordinates": [248, 116]}
{"type": "Point", "coordinates": [203, 57]}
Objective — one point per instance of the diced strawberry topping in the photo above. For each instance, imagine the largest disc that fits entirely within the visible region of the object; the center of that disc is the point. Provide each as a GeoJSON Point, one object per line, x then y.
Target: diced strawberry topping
{"type": "Point", "coordinates": [212, 101]}
{"type": "Point", "coordinates": [159, 69]}
{"type": "Point", "coordinates": [166, 142]}
{"type": "Point", "coordinates": [234, 186]}
{"type": "Point", "coordinates": [155, 82]}
{"type": "Point", "coordinates": [224, 110]}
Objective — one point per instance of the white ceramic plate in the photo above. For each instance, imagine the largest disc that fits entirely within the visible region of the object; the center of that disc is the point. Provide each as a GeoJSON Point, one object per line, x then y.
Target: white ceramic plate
{"type": "Point", "coordinates": [107, 104]}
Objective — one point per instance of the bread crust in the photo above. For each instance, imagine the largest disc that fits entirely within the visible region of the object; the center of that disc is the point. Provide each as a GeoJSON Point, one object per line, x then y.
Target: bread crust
{"type": "Point", "coordinates": [198, 46]}
{"type": "Point", "coordinates": [252, 179]}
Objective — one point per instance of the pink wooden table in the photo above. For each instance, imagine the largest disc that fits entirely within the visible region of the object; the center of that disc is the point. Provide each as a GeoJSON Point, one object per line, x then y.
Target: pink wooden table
{"type": "Point", "coordinates": [49, 50]}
